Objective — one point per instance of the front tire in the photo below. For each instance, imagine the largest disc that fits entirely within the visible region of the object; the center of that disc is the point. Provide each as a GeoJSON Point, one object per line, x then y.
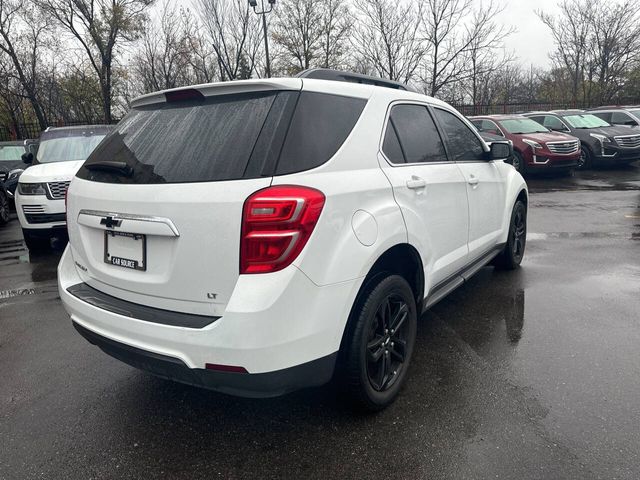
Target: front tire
{"type": "Point", "coordinates": [586, 158]}
{"type": "Point", "coordinates": [518, 163]}
{"type": "Point", "coordinates": [380, 345]}
{"type": "Point", "coordinates": [513, 252]}
{"type": "Point", "coordinates": [4, 208]}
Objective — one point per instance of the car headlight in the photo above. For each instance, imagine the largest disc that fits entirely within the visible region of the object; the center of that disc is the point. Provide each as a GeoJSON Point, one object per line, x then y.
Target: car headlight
{"type": "Point", "coordinates": [532, 143]}
{"type": "Point", "coordinates": [31, 189]}
{"type": "Point", "coordinates": [14, 173]}
{"type": "Point", "coordinates": [601, 138]}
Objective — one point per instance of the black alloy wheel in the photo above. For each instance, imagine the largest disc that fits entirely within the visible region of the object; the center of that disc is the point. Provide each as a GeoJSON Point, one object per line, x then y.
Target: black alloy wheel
{"type": "Point", "coordinates": [387, 345]}
{"type": "Point", "coordinates": [378, 342]}
{"type": "Point", "coordinates": [513, 252]}
{"type": "Point", "coordinates": [519, 233]}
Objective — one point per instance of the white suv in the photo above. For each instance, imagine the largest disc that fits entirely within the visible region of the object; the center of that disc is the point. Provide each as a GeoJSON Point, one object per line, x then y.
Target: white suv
{"type": "Point", "coordinates": [256, 237]}
{"type": "Point", "coordinates": [42, 187]}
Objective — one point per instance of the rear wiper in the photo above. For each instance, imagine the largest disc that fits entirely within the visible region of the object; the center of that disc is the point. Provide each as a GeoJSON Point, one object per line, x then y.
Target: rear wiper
{"type": "Point", "coordinates": [115, 167]}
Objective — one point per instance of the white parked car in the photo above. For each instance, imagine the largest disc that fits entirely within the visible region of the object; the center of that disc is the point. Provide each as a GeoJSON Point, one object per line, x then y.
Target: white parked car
{"type": "Point", "coordinates": [256, 237]}
{"type": "Point", "coordinates": [42, 187]}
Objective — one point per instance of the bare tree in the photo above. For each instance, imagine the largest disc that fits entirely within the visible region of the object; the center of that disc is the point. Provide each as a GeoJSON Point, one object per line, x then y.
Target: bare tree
{"type": "Point", "coordinates": [24, 31]}
{"type": "Point", "coordinates": [615, 45]}
{"type": "Point", "coordinates": [385, 39]}
{"type": "Point", "coordinates": [457, 36]}
{"type": "Point", "coordinates": [571, 30]}
{"type": "Point", "coordinates": [235, 35]}
{"type": "Point", "coordinates": [163, 59]}
{"type": "Point", "coordinates": [310, 33]}
{"type": "Point", "coordinates": [100, 26]}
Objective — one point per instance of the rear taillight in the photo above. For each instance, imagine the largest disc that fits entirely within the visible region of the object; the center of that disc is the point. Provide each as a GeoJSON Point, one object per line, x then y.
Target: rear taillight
{"type": "Point", "coordinates": [276, 224]}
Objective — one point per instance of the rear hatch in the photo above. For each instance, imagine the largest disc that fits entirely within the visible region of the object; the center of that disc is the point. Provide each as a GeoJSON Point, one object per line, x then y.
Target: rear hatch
{"type": "Point", "coordinates": [155, 214]}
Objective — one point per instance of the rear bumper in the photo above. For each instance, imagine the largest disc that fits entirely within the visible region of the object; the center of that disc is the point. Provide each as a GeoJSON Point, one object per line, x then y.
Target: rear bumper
{"type": "Point", "coordinates": [259, 385]}
{"type": "Point", "coordinates": [285, 331]}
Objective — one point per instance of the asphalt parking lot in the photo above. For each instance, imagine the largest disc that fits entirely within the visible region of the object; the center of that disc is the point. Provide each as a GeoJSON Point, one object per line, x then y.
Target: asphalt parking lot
{"type": "Point", "coordinates": [526, 374]}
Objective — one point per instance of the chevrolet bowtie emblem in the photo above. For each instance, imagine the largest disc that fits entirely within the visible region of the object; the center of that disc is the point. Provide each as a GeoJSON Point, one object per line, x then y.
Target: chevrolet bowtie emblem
{"type": "Point", "coordinates": [111, 222]}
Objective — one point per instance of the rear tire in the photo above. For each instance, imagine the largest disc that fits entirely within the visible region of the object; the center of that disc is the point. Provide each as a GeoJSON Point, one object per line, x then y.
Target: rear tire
{"type": "Point", "coordinates": [513, 252]}
{"type": "Point", "coordinates": [36, 242]}
{"type": "Point", "coordinates": [380, 344]}
{"type": "Point", "coordinates": [4, 208]}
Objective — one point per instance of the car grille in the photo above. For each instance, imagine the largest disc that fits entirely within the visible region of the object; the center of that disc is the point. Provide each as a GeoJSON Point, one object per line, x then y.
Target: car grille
{"type": "Point", "coordinates": [58, 189]}
{"type": "Point", "coordinates": [3, 176]}
{"type": "Point", "coordinates": [629, 141]}
{"type": "Point", "coordinates": [45, 217]}
{"type": "Point", "coordinates": [564, 147]}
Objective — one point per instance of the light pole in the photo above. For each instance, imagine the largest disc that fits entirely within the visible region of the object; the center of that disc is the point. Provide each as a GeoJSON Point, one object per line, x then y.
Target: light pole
{"type": "Point", "coordinates": [263, 11]}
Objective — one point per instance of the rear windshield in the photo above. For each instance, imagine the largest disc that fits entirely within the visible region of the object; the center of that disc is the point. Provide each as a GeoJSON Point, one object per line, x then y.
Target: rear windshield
{"type": "Point", "coordinates": [11, 153]}
{"type": "Point", "coordinates": [226, 137]}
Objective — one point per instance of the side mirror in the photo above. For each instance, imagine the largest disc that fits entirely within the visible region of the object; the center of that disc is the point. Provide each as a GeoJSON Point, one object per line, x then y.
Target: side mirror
{"type": "Point", "coordinates": [500, 150]}
{"type": "Point", "coordinates": [27, 158]}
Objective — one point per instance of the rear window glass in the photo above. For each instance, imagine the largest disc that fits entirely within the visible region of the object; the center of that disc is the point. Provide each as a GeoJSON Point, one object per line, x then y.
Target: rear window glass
{"type": "Point", "coordinates": [319, 127]}
{"type": "Point", "coordinates": [226, 137]}
{"type": "Point", "coordinates": [419, 139]}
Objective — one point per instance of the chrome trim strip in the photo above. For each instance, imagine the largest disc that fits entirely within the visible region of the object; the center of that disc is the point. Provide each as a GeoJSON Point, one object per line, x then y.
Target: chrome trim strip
{"type": "Point", "coordinates": [128, 216]}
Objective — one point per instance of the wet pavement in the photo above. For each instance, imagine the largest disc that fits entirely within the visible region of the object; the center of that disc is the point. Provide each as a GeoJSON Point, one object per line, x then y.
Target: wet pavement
{"type": "Point", "coordinates": [526, 374]}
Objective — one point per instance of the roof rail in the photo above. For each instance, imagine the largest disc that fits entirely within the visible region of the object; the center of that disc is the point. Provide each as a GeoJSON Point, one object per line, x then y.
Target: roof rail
{"type": "Point", "coordinates": [340, 76]}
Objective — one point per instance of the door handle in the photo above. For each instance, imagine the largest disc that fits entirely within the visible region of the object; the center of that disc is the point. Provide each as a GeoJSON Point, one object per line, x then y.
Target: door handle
{"type": "Point", "coordinates": [416, 183]}
{"type": "Point", "coordinates": [473, 181]}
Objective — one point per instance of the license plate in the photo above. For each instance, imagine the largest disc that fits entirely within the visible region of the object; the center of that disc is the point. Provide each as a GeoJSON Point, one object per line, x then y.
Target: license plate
{"type": "Point", "coordinates": [126, 250]}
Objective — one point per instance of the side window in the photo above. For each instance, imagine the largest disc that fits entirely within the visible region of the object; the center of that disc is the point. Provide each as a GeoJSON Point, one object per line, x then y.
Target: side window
{"type": "Point", "coordinates": [462, 142]}
{"type": "Point", "coordinates": [391, 146]}
{"type": "Point", "coordinates": [490, 127]}
{"type": "Point", "coordinates": [606, 116]}
{"type": "Point", "coordinates": [412, 137]}
{"type": "Point", "coordinates": [552, 123]}
{"type": "Point", "coordinates": [620, 118]}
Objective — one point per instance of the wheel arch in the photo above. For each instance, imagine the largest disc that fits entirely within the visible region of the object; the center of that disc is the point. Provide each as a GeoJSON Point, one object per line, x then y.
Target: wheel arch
{"type": "Point", "coordinates": [401, 259]}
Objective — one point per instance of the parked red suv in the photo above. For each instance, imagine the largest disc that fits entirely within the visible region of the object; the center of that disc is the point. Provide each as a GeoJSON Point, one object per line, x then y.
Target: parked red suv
{"type": "Point", "coordinates": [535, 147]}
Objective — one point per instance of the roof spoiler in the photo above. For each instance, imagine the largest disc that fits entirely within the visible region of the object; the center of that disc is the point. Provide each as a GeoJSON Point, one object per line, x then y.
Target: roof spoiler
{"type": "Point", "coordinates": [340, 76]}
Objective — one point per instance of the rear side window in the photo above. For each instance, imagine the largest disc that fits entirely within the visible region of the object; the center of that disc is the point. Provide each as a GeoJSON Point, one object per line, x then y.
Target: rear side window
{"type": "Point", "coordinates": [320, 125]}
{"type": "Point", "coordinates": [228, 137]}
{"type": "Point", "coordinates": [412, 137]}
{"type": "Point", "coordinates": [463, 144]}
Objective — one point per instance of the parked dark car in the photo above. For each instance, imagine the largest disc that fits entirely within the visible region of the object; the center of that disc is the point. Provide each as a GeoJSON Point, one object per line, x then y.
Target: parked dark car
{"type": "Point", "coordinates": [11, 164]}
{"type": "Point", "coordinates": [536, 149]}
{"type": "Point", "coordinates": [601, 143]}
{"type": "Point", "coordinates": [625, 116]}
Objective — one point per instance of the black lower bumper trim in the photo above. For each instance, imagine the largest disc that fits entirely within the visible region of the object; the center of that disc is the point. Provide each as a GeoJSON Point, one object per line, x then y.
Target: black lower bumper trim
{"type": "Point", "coordinates": [140, 312]}
{"type": "Point", "coordinates": [253, 385]}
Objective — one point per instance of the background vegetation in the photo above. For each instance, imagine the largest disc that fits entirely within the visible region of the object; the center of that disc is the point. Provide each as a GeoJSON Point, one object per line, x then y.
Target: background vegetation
{"type": "Point", "coordinates": [66, 61]}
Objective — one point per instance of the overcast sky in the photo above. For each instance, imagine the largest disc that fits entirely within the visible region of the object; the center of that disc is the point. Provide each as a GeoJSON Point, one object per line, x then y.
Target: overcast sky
{"type": "Point", "coordinates": [532, 42]}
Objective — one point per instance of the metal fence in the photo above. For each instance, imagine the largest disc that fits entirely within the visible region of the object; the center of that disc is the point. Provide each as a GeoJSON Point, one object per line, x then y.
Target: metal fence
{"type": "Point", "coordinates": [22, 131]}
